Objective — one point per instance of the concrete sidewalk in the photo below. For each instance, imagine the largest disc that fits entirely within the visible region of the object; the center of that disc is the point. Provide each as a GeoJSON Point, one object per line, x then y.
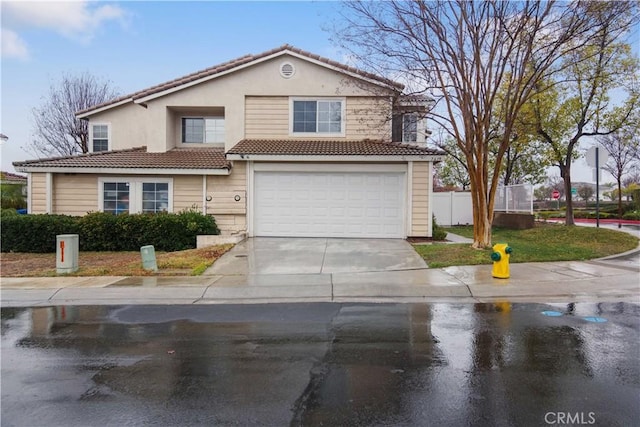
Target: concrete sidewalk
{"type": "Point", "coordinates": [326, 279]}
{"type": "Point", "coordinates": [597, 280]}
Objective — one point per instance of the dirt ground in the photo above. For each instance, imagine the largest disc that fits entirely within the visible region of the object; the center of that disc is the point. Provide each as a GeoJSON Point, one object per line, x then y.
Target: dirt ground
{"type": "Point", "coordinates": [111, 263]}
{"type": "Point", "coordinates": [24, 264]}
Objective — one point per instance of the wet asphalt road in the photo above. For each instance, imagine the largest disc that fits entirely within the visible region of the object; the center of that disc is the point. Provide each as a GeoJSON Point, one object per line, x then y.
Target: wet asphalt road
{"type": "Point", "coordinates": [322, 364]}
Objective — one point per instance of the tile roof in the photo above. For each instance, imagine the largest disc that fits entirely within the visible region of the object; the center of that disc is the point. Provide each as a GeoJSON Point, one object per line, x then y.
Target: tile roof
{"type": "Point", "coordinates": [225, 66]}
{"type": "Point", "coordinates": [177, 158]}
{"type": "Point", "coordinates": [10, 178]}
{"type": "Point", "coordinates": [366, 147]}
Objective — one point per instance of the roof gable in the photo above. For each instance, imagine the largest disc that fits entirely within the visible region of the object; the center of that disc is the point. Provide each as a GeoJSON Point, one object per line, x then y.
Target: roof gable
{"type": "Point", "coordinates": [234, 65]}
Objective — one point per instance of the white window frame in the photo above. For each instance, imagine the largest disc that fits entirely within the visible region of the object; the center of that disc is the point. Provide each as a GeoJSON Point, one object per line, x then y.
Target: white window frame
{"type": "Point", "coordinates": [204, 131]}
{"type": "Point", "coordinates": [343, 117]}
{"type": "Point", "coordinates": [90, 142]}
{"type": "Point", "coordinates": [135, 191]}
{"type": "Point", "coordinates": [417, 121]}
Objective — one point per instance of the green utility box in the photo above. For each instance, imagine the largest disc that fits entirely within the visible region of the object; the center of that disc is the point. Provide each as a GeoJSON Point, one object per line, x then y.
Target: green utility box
{"type": "Point", "coordinates": [148, 254]}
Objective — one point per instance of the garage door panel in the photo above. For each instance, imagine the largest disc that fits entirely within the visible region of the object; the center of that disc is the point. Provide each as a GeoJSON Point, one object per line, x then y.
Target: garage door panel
{"type": "Point", "coordinates": [329, 204]}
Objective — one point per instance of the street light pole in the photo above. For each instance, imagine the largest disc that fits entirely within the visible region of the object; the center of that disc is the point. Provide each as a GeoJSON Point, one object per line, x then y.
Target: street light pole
{"type": "Point", "coordinates": [593, 159]}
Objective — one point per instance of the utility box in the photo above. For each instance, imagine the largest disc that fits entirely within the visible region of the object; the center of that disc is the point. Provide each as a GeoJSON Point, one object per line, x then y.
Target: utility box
{"type": "Point", "coordinates": [67, 247]}
{"type": "Point", "coordinates": [148, 254]}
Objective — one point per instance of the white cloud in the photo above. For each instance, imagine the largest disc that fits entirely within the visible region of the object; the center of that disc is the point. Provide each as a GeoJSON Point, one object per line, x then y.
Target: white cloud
{"type": "Point", "coordinates": [13, 46]}
{"type": "Point", "coordinates": [77, 20]}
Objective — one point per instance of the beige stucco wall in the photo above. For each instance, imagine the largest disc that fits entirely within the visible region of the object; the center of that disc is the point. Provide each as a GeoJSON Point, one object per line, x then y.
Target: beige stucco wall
{"type": "Point", "coordinates": [37, 192]}
{"type": "Point", "coordinates": [130, 126]}
{"type": "Point", "coordinates": [420, 188]}
{"type": "Point", "coordinates": [78, 194]}
{"type": "Point", "coordinates": [74, 194]}
{"type": "Point", "coordinates": [157, 124]}
{"type": "Point", "coordinates": [230, 215]}
{"type": "Point", "coordinates": [187, 192]}
{"type": "Point", "coordinates": [269, 117]}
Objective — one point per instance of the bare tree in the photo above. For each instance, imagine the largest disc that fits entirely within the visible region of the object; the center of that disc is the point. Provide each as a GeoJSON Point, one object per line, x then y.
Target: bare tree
{"type": "Point", "coordinates": [57, 130]}
{"type": "Point", "coordinates": [463, 54]}
{"type": "Point", "coordinates": [633, 176]}
{"type": "Point", "coordinates": [586, 192]}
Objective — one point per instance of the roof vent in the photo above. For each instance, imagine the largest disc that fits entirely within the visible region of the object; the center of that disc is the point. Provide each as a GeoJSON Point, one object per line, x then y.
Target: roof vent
{"type": "Point", "coordinates": [287, 70]}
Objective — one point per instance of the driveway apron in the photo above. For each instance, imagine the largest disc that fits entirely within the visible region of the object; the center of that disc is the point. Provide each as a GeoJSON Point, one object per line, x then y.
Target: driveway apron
{"type": "Point", "coordinates": [298, 256]}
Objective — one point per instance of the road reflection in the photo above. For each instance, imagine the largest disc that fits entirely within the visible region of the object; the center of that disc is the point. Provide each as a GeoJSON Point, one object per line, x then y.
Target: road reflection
{"type": "Point", "coordinates": [332, 364]}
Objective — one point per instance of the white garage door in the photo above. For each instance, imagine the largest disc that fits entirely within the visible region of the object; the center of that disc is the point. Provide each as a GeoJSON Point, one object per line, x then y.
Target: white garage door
{"type": "Point", "coordinates": [329, 204]}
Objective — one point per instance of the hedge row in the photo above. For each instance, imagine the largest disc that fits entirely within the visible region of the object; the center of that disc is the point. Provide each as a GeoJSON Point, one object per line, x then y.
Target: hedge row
{"type": "Point", "coordinates": [100, 231]}
{"type": "Point", "coordinates": [582, 214]}
{"type": "Point", "coordinates": [592, 215]}
{"type": "Point", "coordinates": [632, 215]}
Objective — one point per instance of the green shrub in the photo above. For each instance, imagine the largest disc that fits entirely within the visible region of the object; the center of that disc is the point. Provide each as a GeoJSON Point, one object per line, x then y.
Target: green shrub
{"type": "Point", "coordinates": [592, 215]}
{"type": "Point", "coordinates": [35, 233]}
{"type": "Point", "coordinates": [11, 196]}
{"type": "Point", "coordinates": [438, 232]}
{"type": "Point", "coordinates": [8, 212]}
{"type": "Point", "coordinates": [609, 208]}
{"type": "Point", "coordinates": [550, 214]}
{"type": "Point", "coordinates": [97, 232]}
{"type": "Point", "coordinates": [101, 231]}
{"type": "Point", "coordinates": [632, 215]}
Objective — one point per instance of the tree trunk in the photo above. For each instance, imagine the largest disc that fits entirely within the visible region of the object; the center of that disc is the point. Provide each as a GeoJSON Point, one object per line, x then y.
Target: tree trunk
{"type": "Point", "coordinates": [619, 197]}
{"type": "Point", "coordinates": [482, 226]}
{"type": "Point", "coordinates": [481, 215]}
{"type": "Point", "coordinates": [565, 172]}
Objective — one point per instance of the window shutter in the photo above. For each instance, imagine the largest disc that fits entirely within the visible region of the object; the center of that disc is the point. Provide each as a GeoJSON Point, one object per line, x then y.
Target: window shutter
{"type": "Point", "coordinates": [396, 128]}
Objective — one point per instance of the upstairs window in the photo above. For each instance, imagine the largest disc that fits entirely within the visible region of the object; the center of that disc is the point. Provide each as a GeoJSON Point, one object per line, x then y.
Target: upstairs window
{"type": "Point", "coordinates": [318, 116]}
{"type": "Point", "coordinates": [410, 127]}
{"type": "Point", "coordinates": [203, 130]}
{"type": "Point", "coordinates": [99, 138]}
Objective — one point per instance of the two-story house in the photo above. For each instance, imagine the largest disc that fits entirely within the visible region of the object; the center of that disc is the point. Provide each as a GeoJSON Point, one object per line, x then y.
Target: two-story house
{"type": "Point", "coordinates": [283, 143]}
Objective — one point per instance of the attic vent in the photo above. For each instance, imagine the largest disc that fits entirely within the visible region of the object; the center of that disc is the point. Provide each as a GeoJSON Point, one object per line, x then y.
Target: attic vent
{"type": "Point", "coordinates": [287, 70]}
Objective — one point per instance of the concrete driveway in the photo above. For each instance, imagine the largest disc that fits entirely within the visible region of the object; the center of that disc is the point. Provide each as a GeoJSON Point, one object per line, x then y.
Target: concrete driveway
{"type": "Point", "coordinates": [294, 256]}
{"type": "Point", "coordinates": [282, 268]}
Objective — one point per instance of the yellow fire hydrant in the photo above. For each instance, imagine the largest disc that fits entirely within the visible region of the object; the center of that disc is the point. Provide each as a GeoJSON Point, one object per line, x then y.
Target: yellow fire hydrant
{"type": "Point", "coordinates": [500, 257]}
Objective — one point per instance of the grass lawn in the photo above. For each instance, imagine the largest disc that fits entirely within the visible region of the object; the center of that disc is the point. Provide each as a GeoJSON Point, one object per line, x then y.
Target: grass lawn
{"type": "Point", "coordinates": [545, 242]}
{"type": "Point", "coordinates": [191, 262]}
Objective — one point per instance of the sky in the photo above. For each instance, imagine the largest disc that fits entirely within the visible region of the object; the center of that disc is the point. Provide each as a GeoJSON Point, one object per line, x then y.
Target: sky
{"type": "Point", "coordinates": [135, 45]}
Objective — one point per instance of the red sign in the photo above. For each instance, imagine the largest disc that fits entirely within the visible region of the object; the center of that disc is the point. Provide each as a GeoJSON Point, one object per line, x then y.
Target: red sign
{"type": "Point", "coordinates": [555, 194]}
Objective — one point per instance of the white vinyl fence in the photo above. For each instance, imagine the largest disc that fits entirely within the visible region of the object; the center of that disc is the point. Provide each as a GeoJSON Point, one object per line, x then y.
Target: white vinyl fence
{"type": "Point", "coordinates": [514, 198]}
{"type": "Point", "coordinates": [453, 208]}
